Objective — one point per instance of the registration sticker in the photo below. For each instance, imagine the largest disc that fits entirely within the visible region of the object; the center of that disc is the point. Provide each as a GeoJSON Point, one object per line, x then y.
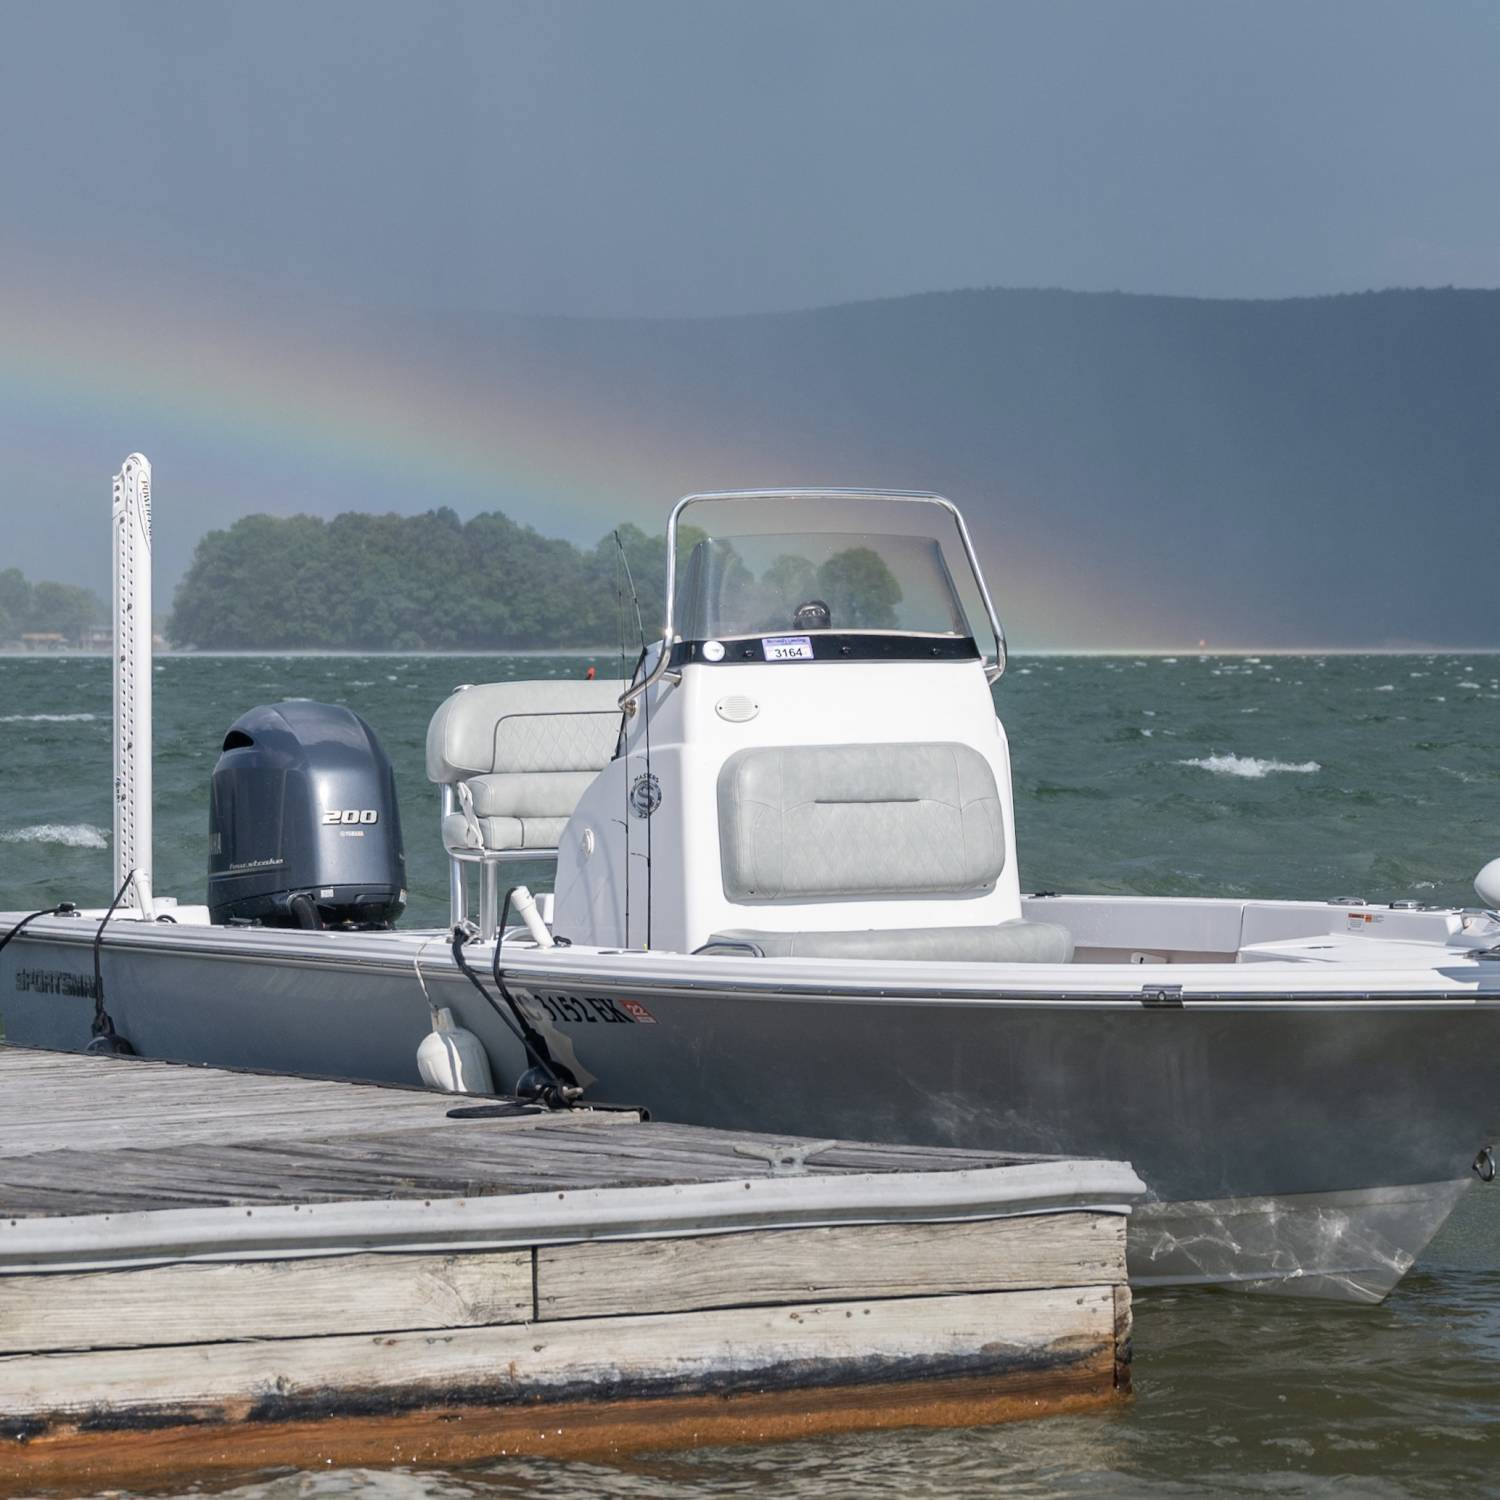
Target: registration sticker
{"type": "Point", "coordinates": [593, 1010]}
{"type": "Point", "coordinates": [787, 647]}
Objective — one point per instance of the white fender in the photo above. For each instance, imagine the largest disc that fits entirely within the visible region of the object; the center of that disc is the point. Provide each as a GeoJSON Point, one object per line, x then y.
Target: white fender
{"type": "Point", "coordinates": [453, 1059]}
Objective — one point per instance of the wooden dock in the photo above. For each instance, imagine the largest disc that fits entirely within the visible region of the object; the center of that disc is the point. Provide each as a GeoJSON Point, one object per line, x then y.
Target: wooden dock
{"type": "Point", "coordinates": [204, 1271]}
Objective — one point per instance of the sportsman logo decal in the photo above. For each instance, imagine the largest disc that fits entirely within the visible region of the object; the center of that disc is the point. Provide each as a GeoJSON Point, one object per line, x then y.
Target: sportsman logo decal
{"type": "Point", "coordinates": [54, 982]}
{"type": "Point", "coordinates": [645, 795]}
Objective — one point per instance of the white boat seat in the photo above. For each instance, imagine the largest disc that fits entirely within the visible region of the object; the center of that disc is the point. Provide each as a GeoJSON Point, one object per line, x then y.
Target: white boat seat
{"type": "Point", "coordinates": [518, 756]}
{"type": "Point", "coordinates": [514, 810]}
{"type": "Point", "coordinates": [1017, 942]}
{"type": "Point", "coordinates": [800, 822]}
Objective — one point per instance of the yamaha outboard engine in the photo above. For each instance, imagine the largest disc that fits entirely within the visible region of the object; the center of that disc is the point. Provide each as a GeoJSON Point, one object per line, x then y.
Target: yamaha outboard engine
{"type": "Point", "coordinates": [303, 827]}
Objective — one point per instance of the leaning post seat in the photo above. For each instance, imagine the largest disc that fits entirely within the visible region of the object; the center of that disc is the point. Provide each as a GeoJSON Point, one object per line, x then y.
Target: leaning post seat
{"type": "Point", "coordinates": [851, 825]}
{"type": "Point", "coordinates": [512, 759]}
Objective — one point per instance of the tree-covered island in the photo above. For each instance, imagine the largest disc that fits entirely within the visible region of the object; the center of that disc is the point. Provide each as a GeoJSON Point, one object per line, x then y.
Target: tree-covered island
{"type": "Point", "coordinates": [427, 582]}
{"type": "Point", "coordinates": [432, 582]}
{"type": "Point", "coordinates": [44, 614]}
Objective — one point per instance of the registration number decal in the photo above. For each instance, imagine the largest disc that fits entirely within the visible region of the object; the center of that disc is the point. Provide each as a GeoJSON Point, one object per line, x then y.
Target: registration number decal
{"type": "Point", "coordinates": [787, 647]}
{"type": "Point", "coordinates": [592, 1010]}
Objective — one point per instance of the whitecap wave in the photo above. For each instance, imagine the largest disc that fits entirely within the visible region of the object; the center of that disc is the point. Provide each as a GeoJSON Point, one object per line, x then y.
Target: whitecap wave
{"type": "Point", "coordinates": [1251, 767]}
{"type": "Point", "coordinates": [72, 835]}
{"type": "Point", "coordinates": [47, 718]}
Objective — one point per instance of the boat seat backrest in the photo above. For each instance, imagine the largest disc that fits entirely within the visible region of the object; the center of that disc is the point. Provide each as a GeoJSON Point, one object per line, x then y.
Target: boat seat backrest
{"type": "Point", "coordinates": [519, 756]}
{"type": "Point", "coordinates": [801, 822]}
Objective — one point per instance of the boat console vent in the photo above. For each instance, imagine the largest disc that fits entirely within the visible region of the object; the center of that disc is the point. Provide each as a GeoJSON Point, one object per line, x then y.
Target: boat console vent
{"type": "Point", "coordinates": [855, 821]}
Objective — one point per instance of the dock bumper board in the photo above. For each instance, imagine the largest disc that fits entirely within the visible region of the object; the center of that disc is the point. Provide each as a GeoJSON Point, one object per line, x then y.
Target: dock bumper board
{"type": "Point", "coordinates": [100, 1241]}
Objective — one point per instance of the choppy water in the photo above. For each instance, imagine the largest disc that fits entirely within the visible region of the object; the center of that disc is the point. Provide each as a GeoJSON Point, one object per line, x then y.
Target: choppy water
{"type": "Point", "coordinates": [1284, 776]}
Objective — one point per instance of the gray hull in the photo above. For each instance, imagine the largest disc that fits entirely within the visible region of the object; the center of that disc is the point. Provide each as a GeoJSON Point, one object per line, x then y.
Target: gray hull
{"type": "Point", "coordinates": [1306, 1147]}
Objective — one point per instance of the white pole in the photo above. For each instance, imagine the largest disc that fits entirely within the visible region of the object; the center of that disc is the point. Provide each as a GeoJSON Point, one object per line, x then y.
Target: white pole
{"type": "Point", "coordinates": [132, 644]}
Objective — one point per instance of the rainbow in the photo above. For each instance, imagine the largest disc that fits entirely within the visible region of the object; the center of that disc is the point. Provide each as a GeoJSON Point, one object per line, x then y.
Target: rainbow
{"type": "Point", "coordinates": [240, 412]}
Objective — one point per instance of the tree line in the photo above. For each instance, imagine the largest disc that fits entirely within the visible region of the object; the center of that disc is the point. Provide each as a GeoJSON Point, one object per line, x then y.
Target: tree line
{"type": "Point", "coordinates": [431, 582]}
{"type": "Point", "coordinates": [427, 582]}
{"type": "Point", "coordinates": [46, 608]}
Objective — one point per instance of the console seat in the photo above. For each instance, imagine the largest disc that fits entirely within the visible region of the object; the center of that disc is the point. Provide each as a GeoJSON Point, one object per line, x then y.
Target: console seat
{"type": "Point", "coordinates": [815, 826]}
{"type": "Point", "coordinates": [1007, 943]}
{"type": "Point", "coordinates": [518, 755]}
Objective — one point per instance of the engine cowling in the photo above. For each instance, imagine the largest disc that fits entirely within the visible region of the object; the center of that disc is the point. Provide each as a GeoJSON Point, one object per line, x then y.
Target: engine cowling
{"type": "Point", "coordinates": [304, 828]}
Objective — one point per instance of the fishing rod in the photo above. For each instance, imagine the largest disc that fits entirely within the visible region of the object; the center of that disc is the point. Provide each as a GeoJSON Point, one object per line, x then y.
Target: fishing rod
{"type": "Point", "coordinates": [640, 625]}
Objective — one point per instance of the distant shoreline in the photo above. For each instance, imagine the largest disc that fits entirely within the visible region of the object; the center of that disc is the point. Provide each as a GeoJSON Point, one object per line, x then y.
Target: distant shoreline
{"type": "Point", "coordinates": [600, 653]}
{"type": "Point", "coordinates": [588, 652]}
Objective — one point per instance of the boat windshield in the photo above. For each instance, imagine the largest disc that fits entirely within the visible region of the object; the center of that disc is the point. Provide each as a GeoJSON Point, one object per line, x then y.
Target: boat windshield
{"type": "Point", "coordinates": [803, 561]}
{"type": "Point", "coordinates": [839, 581]}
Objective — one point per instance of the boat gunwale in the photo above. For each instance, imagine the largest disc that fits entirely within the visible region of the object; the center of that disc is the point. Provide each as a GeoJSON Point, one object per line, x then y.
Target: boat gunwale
{"type": "Point", "coordinates": [1147, 982]}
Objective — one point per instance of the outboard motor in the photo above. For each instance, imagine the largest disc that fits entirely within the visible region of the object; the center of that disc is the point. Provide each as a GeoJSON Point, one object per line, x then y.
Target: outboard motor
{"type": "Point", "coordinates": [303, 827]}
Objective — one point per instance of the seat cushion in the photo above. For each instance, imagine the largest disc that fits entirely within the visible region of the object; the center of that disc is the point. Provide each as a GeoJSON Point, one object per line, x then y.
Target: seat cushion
{"type": "Point", "coordinates": [535, 794]}
{"type": "Point", "coordinates": [1005, 943]}
{"type": "Point", "coordinates": [799, 822]}
{"type": "Point", "coordinates": [524, 811]}
{"type": "Point", "coordinates": [501, 833]}
{"type": "Point", "coordinates": [523, 727]}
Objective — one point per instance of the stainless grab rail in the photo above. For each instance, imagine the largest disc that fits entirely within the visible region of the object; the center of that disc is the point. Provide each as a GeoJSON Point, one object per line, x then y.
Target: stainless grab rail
{"type": "Point", "coordinates": [634, 691]}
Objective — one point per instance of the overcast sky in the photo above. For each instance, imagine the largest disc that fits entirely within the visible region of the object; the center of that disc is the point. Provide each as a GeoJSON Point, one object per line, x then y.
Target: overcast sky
{"type": "Point", "coordinates": [235, 233]}
{"type": "Point", "coordinates": [711, 156]}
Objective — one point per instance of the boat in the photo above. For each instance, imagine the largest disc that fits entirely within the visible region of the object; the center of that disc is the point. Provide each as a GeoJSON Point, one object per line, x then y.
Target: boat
{"type": "Point", "coordinates": [786, 898]}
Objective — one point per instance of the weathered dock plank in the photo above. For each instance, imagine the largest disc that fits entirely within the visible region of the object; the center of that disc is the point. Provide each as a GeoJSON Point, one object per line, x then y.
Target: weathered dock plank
{"type": "Point", "coordinates": [845, 1261]}
{"type": "Point", "coordinates": [177, 1136]}
{"type": "Point", "coordinates": [651, 1356]}
{"type": "Point", "coordinates": [39, 1107]}
{"type": "Point", "coordinates": [208, 1302]}
{"type": "Point", "coordinates": [451, 1159]}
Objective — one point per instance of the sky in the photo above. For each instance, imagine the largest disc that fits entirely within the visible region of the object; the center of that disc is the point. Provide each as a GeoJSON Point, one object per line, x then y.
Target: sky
{"type": "Point", "coordinates": [634, 157]}
{"type": "Point", "coordinates": [198, 185]}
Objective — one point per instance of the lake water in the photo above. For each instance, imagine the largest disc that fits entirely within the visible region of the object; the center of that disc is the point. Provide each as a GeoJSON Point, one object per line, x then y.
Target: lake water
{"type": "Point", "coordinates": [1216, 776]}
